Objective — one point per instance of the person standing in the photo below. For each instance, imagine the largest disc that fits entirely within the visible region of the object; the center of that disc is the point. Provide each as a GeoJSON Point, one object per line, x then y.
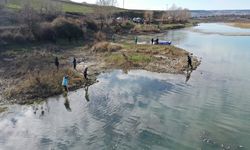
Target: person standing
{"type": "Point", "coordinates": [157, 41]}
{"type": "Point", "coordinates": [57, 63]}
{"type": "Point", "coordinates": [136, 40]}
{"type": "Point", "coordinates": [74, 63]}
{"type": "Point", "coordinates": [190, 62]}
{"type": "Point", "coordinates": [85, 72]}
{"type": "Point", "coordinates": [65, 83]}
{"type": "Point", "coordinates": [152, 41]}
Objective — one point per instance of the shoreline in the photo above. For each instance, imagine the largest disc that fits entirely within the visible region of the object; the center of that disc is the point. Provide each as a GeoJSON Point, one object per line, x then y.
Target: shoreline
{"type": "Point", "coordinates": [25, 84]}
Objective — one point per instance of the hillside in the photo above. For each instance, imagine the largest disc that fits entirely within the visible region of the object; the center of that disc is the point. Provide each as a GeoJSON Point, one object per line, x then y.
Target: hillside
{"type": "Point", "coordinates": [67, 6]}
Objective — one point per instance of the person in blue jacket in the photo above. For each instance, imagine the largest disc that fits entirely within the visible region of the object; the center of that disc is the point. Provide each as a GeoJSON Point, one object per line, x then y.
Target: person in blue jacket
{"type": "Point", "coordinates": [65, 82]}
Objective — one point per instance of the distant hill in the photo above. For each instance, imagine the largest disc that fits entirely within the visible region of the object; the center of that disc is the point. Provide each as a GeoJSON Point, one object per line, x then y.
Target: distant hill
{"type": "Point", "coordinates": [67, 6]}
{"type": "Point", "coordinates": [202, 13]}
{"type": "Point", "coordinates": [85, 8]}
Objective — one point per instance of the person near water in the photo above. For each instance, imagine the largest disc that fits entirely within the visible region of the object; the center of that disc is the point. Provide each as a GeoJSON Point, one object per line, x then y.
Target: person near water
{"type": "Point", "coordinates": [136, 40]}
{"type": "Point", "coordinates": [157, 41]}
{"type": "Point", "coordinates": [152, 41]}
{"type": "Point", "coordinates": [85, 72]}
{"type": "Point", "coordinates": [57, 63]}
{"type": "Point", "coordinates": [74, 63]}
{"type": "Point", "coordinates": [113, 38]}
{"type": "Point", "coordinates": [65, 83]}
{"type": "Point", "coordinates": [67, 104]}
{"type": "Point", "coordinates": [190, 61]}
{"type": "Point", "coordinates": [87, 93]}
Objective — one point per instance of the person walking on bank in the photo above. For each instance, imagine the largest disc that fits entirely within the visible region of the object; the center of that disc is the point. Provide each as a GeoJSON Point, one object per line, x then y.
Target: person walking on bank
{"type": "Point", "coordinates": [189, 61]}
{"type": "Point", "coordinates": [65, 83]}
{"type": "Point", "coordinates": [57, 63]}
{"type": "Point", "coordinates": [85, 72]}
{"type": "Point", "coordinates": [74, 63]}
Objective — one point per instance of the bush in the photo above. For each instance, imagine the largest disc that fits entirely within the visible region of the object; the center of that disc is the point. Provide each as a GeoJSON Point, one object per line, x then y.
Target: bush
{"type": "Point", "coordinates": [45, 32]}
{"type": "Point", "coordinates": [127, 25]}
{"type": "Point", "coordinates": [100, 36]}
{"type": "Point", "coordinates": [91, 25]}
{"type": "Point", "coordinates": [67, 28]}
{"type": "Point", "coordinates": [8, 37]}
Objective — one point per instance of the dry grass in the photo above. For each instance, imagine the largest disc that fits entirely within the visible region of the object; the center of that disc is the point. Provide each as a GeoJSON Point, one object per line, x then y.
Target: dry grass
{"type": "Point", "coordinates": [3, 109]}
{"type": "Point", "coordinates": [158, 58]}
{"type": "Point", "coordinates": [106, 47]}
{"type": "Point", "coordinates": [245, 25]}
{"type": "Point", "coordinates": [145, 28]}
{"type": "Point", "coordinates": [42, 84]}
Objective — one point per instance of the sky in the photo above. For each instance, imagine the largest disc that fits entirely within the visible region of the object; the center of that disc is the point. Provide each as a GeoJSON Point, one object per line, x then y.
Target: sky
{"type": "Point", "coordinates": [190, 4]}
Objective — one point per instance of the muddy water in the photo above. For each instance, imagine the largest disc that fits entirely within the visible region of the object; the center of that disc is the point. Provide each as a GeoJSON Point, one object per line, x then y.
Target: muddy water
{"type": "Point", "coordinates": [144, 110]}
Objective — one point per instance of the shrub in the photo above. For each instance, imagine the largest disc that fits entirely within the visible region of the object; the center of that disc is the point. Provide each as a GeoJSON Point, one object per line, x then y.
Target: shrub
{"type": "Point", "coordinates": [45, 32]}
{"type": "Point", "coordinates": [66, 28]}
{"type": "Point", "coordinates": [6, 36]}
{"type": "Point", "coordinates": [100, 36]}
{"type": "Point", "coordinates": [13, 37]}
{"type": "Point", "coordinates": [91, 25]}
{"type": "Point", "coordinates": [127, 25]}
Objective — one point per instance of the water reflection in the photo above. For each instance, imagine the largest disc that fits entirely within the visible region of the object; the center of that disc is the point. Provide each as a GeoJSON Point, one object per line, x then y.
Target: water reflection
{"type": "Point", "coordinates": [188, 75]}
{"type": "Point", "coordinates": [145, 110]}
{"type": "Point", "coordinates": [87, 93]}
{"type": "Point", "coordinates": [67, 103]}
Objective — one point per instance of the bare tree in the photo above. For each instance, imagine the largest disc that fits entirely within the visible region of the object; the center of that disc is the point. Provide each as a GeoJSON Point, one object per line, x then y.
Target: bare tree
{"type": "Point", "coordinates": [148, 16]}
{"type": "Point", "coordinates": [29, 16]}
{"type": "Point", "coordinates": [106, 2]}
{"type": "Point", "coordinates": [104, 12]}
{"type": "Point", "coordinates": [176, 15]}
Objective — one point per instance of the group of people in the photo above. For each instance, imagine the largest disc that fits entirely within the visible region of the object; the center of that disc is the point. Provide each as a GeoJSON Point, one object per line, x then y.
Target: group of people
{"type": "Point", "coordinates": [65, 81]}
{"type": "Point", "coordinates": [154, 41]}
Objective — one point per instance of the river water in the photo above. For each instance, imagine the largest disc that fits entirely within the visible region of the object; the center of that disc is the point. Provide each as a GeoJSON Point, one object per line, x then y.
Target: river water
{"type": "Point", "coordinates": [144, 110]}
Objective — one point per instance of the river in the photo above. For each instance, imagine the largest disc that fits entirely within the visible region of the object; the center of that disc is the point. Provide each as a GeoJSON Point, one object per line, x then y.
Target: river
{"type": "Point", "coordinates": [145, 110]}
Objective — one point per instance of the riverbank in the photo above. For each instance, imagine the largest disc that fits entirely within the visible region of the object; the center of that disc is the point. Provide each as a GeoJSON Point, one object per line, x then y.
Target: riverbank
{"type": "Point", "coordinates": [29, 75]}
{"type": "Point", "coordinates": [154, 28]}
{"type": "Point", "coordinates": [245, 25]}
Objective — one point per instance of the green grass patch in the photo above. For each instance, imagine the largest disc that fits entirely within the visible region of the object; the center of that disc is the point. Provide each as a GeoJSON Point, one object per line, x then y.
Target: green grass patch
{"type": "Point", "coordinates": [13, 6]}
{"type": "Point", "coordinates": [77, 8]}
{"type": "Point", "coordinates": [117, 59]}
{"type": "Point", "coordinates": [140, 58]}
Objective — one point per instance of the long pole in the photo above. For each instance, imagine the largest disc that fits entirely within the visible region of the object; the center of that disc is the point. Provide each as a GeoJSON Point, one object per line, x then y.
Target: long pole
{"type": "Point", "coordinates": [123, 4]}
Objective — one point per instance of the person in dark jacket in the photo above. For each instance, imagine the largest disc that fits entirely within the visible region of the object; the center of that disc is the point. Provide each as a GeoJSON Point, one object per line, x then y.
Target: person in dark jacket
{"type": "Point", "coordinates": [189, 62]}
{"type": "Point", "coordinates": [74, 63]}
{"type": "Point", "coordinates": [152, 41]}
{"type": "Point", "coordinates": [57, 63]}
{"type": "Point", "coordinates": [85, 72]}
{"type": "Point", "coordinates": [157, 41]}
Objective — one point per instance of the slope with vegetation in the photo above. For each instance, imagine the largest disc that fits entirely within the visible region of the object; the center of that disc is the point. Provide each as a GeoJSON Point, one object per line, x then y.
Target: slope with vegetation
{"type": "Point", "coordinates": [34, 32]}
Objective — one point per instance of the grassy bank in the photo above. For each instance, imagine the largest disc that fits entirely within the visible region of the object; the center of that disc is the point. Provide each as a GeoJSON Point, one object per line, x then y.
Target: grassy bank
{"type": "Point", "coordinates": [156, 58]}
{"type": "Point", "coordinates": [245, 25]}
{"type": "Point", "coordinates": [30, 75]}
{"type": "Point", "coordinates": [153, 28]}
